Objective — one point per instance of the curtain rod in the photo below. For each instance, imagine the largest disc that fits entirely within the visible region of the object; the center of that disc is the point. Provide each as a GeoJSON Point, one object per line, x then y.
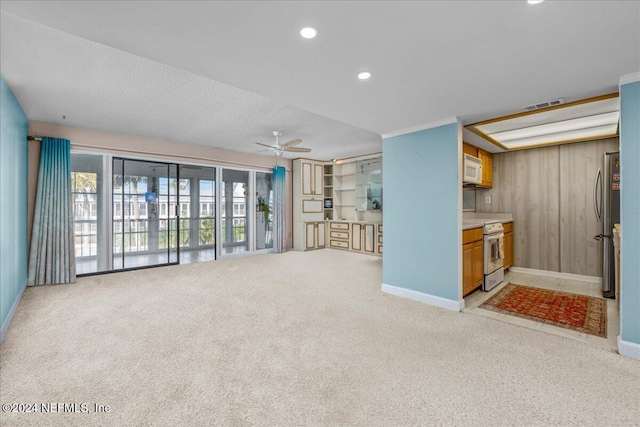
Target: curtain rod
{"type": "Point", "coordinates": [180, 156]}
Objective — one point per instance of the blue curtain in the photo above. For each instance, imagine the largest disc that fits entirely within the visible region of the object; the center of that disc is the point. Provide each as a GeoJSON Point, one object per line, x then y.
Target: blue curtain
{"type": "Point", "coordinates": [51, 258]}
{"type": "Point", "coordinates": [279, 239]}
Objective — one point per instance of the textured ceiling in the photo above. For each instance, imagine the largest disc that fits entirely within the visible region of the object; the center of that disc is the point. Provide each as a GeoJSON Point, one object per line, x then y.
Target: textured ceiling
{"type": "Point", "coordinates": [431, 60]}
{"type": "Point", "coordinates": [98, 87]}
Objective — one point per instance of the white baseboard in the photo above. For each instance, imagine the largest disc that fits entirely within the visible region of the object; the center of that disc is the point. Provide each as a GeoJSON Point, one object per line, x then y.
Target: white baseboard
{"type": "Point", "coordinates": [422, 297]}
{"type": "Point", "coordinates": [12, 311]}
{"type": "Point", "coordinates": [556, 274]}
{"type": "Point", "coordinates": [628, 348]}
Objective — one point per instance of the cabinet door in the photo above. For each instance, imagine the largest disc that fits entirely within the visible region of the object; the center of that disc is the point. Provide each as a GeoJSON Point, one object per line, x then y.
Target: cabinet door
{"type": "Point", "coordinates": [487, 168]}
{"type": "Point", "coordinates": [369, 238]}
{"type": "Point", "coordinates": [307, 179]}
{"type": "Point", "coordinates": [467, 268]}
{"type": "Point", "coordinates": [356, 237]}
{"type": "Point", "coordinates": [310, 235]}
{"type": "Point", "coordinates": [318, 180]}
{"type": "Point", "coordinates": [320, 235]}
{"type": "Point", "coordinates": [477, 255]}
{"type": "Point", "coordinates": [508, 250]}
{"type": "Point", "coordinates": [469, 149]}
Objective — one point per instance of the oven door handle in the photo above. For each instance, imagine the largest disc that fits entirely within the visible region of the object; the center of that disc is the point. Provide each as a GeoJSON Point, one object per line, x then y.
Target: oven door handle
{"type": "Point", "coordinates": [494, 236]}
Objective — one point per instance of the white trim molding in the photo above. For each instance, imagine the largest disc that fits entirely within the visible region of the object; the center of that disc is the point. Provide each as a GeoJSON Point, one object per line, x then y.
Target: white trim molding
{"type": "Point", "coordinates": [418, 128]}
{"type": "Point", "coordinates": [422, 297]}
{"type": "Point", "coordinates": [630, 78]}
{"type": "Point", "coordinates": [628, 348]}
{"type": "Point", "coordinates": [12, 311]}
{"type": "Point", "coordinates": [556, 274]}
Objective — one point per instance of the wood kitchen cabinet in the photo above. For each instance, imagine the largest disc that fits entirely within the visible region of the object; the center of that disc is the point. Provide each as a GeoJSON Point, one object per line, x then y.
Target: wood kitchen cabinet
{"type": "Point", "coordinates": [508, 245]}
{"type": "Point", "coordinates": [472, 260]}
{"type": "Point", "coordinates": [487, 168]}
{"type": "Point", "coordinates": [487, 163]}
{"type": "Point", "coordinates": [469, 149]}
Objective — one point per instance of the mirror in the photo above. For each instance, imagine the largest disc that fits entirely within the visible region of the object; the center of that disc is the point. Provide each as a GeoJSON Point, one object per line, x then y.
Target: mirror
{"type": "Point", "coordinates": [369, 184]}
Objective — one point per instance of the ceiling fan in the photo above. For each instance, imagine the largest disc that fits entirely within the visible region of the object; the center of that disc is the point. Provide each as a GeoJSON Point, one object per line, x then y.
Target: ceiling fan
{"type": "Point", "coordinates": [278, 148]}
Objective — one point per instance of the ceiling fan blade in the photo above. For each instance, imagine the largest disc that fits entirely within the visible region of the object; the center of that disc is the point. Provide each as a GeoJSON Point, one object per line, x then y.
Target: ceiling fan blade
{"type": "Point", "coordinates": [297, 149]}
{"type": "Point", "coordinates": [265, 145]}
{"type": "Point", "coordinates": [292, 143]}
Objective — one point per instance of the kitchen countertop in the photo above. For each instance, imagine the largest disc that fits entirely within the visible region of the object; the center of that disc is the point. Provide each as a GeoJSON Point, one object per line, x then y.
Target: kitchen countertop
{"type": "Point", "coordinates": [477, 223]}
{"type": "Point", "coordinates": [477, 219]}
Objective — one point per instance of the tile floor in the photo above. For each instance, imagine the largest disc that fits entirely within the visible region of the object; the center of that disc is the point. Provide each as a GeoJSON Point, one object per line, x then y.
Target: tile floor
{"type": "Point", "coordinates": [474, 300]}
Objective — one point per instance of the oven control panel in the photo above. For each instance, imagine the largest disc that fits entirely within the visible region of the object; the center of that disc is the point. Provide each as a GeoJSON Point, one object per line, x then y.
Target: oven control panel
{"type": "Point", "coordinates": [492, 228]}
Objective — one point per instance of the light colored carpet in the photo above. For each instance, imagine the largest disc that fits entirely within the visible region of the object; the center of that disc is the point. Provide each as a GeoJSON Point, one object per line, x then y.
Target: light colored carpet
{"type": "Point", "coordinates": [294, 339]}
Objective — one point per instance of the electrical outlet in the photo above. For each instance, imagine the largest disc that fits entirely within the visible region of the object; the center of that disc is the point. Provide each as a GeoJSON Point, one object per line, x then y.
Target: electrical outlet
{"type": "Point", "coordinates": [487, 199]}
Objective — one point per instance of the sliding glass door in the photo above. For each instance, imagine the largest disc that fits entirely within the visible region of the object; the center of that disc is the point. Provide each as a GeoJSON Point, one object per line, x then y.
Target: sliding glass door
{"type": "Point", "coordinates": [234, 211]}
{"type": "Point", "coordinates": [146, 210]}
{"type": "Point", "coordinates": [131, 213]}
{"type": "Point", "coordinates": [88, 195]}
{"type": "Point", "coordinates": [197, 213]}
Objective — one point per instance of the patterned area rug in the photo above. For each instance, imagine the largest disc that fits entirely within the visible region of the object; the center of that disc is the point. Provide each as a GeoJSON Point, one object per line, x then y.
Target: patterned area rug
{"type": "Point", "coordinates": [578, 312]}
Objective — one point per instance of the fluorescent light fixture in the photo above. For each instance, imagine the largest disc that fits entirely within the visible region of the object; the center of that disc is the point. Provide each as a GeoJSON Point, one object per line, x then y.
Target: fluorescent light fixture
{"type": "Point", "coordinates": [309, 32]}
{"type": "Point", "coordinates": [534, 1]}
{"type": "Point", "coordinates": [592, 118]}
{"type": "Point", "coordinates": [364, 75]}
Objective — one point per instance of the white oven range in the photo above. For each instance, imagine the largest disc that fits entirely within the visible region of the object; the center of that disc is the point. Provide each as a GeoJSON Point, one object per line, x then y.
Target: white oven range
{"type": "Point", "coordinates": [493, 255]}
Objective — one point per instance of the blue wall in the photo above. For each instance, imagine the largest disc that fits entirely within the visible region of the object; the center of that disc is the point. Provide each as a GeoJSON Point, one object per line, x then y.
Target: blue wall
{"type": "Point", "coordinates": [630, 212]}
{"type": "Point", "coordinates": [14, 128]}
{"type": "Point", "coordinates": [421, 186]}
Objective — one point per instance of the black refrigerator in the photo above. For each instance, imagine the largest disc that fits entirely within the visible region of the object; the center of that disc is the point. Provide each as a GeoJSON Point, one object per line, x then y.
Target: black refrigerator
{"type": "Point", "coordinates": [606, 201]}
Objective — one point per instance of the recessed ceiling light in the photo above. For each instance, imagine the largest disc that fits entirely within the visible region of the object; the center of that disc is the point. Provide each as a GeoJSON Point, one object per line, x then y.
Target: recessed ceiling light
{"type": "Point", "coordinates": [364, 75]}
{"type": "Point", "coordinates": [534, 1]}
{"type": "Point", "coordinates": [308, 32]}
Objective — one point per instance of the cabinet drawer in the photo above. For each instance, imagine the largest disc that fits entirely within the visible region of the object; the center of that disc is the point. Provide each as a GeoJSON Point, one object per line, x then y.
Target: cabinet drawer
{"type": "Point", "coordinates": [380, 238]}
{"type": "Point", "coordinates": [340, 235]}
{"type": "Point", "coordinates": [508, 227]}
{"type": "Point", "coordinates": [471, 235]}
{"type": "Point", "coordinates": [312, 206]}
{"type": "Point", "coordinates": [339, 225]}
{"type": "Point", "coordinates": [338, 244]}
{"type": "Point", "coordinates": [380, 228]}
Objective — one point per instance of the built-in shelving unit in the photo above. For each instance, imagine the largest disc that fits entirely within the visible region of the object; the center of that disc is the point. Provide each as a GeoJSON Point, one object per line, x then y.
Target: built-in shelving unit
{"type": "Point", "coordinates": [344, 190]}
{"type": "Point", "coordinates": [328, 191]}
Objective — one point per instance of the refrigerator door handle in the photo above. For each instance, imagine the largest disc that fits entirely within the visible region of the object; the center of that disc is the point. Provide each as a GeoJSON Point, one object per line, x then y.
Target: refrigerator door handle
{"type": "Point", "coordinates": [595, 195]}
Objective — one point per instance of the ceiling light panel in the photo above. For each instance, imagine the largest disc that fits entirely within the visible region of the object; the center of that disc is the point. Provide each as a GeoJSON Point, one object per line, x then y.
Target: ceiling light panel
{"type": "Point", "coordinates": [558, 127]}
{"type": "Point", "coordinates": [564, 137]}
{"type": "Point", "coordinates": [556, 114]}
{"type": "Point", "coordinates": [577, 121]}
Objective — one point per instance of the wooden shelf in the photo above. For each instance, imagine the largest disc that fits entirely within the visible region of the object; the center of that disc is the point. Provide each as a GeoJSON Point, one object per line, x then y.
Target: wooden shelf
{"type": "Point", "coordinates": [345, 189]}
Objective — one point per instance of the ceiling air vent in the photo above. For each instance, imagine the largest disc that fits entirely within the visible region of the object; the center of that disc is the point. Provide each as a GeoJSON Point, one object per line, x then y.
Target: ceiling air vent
{"type": "Point", "coordinates": [544, 104]}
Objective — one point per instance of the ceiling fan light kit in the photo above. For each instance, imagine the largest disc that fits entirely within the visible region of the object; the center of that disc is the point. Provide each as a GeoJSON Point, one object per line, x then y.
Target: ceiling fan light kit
{"type": "Point", "coordinates": [289, 146]}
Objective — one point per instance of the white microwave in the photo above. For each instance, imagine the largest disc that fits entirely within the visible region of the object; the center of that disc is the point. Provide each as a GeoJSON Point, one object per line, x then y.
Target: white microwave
{"type": "Point", "coordinates": [472, 170]}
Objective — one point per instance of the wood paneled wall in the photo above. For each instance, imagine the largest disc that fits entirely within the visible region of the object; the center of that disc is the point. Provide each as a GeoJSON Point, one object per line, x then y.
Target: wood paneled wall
{"type": "Point", "coordinates": [550, 193]}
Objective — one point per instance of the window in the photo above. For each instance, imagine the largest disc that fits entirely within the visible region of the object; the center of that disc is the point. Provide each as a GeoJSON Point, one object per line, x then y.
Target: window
{"type": "Point", "coordinates": [239, 209]}
{"type": "Point", "coordinates": [142, 207]}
